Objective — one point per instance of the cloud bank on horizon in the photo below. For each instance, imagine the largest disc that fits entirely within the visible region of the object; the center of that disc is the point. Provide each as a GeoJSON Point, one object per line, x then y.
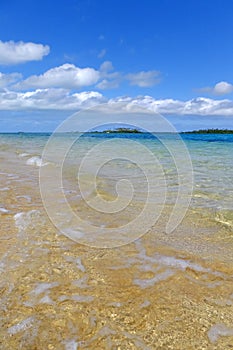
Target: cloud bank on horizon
{"type": "Point", "coordinates": [65, 87]}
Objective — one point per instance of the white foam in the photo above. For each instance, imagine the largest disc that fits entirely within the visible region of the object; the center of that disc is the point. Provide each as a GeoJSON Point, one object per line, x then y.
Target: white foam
{"type": "Point", "coordinates": [145, 283]}
{"type": "Point", "coordinates": [2, 266]}
{"type": "Point", "coordinates": [80, 265]}
{"type": "Point", "coordinates": [115, 304]}
{"type": "Point", "coordinates": [71, 345]}
{"type": "Point", "coordinates": [4, 189]}
{"type": "Point", "coordinates": [63, 298]}
{"type": "Point", "coordinates": [77, 261]}
{"type": "Point", "coordinates": [105, 331]}
{"type": "Point", "coordinates": [81, 283]}
{"type": "Point", "coordinates": [28, 198]}
{"type": "Point", "coordinates": [36, 161]}
{"type": "Point", "coordinates": [219, 330]}
{"type": "Point", "coordinates": [43, 287]}
{"type": "Point", "coordinates": [13, 176]}
{"type": "Point", "coordinates": [46, 300]}
{"type": "Point", "coordinates": [21, 326]}
{"type": "Point", "coordinates": [25, 219]}
{"type": "Point", "coordinates": [171, 261]}
{"type": "Point", "coordinates": [73, 234]}
{"type": "Point", "coordinates": [146, 303]}
{"type": "Point", "coordinates": [4, 211]}
{"type": "Point", "coordinates": [24, 154]}
{"type": "Point", "coordinates": [83, 298]}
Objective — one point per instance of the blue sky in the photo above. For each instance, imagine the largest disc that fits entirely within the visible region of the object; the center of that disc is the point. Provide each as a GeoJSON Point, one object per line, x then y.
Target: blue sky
{"type": "Point", "coordinates": [174, 57]}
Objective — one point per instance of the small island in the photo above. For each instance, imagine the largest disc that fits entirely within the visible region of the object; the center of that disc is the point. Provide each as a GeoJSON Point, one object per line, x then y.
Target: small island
{"type": "Point", "coordinates": [209, 131]}
{"type": "Point", "coordinates": [119, 130]}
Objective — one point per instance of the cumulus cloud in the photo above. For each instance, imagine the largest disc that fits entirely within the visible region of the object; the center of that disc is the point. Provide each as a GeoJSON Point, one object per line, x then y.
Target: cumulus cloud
{"type": "Point", "coordinates": [66, 76]}
{"type": "Point", "coordinates": [64, 99]}
{"type": "Point", "coordinates": [20, 52]}
{"type": "Point", "coordinates": [69, 76]}
{"type": "Point", "coordinates": [48, 99]}
{"type": "Point", "coordinates": [199, 106]}
{"type": "Point", "coordinates": [8, 79]}
{"type": "Point", "coordinates": [144, 79]}
{"type": "Point", "coordinates": [221, 88]}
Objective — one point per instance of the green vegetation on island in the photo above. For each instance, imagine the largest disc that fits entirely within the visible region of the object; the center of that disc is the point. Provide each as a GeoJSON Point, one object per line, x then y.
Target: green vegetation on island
{"type": "Point", "coordinates": [119, 130]}
{"type": "Point", "coordinates": [209, 131]}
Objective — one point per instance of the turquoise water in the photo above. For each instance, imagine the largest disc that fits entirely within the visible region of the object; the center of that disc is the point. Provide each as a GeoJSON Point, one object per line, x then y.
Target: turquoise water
{"type": "Point", "coordinates": [211, 156]}
{"type": "Point", "coordinates": [174, 288]}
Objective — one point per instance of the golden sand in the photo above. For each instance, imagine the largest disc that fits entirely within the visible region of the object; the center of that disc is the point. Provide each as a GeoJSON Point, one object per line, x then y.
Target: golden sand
{"type": "Point", "coordinates": [160, 292]}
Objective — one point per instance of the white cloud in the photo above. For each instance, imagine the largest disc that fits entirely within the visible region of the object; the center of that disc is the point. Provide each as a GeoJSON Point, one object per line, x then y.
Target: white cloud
{"type": "Point", "coordinates": [111, 79]}
{"type": "Point", "coordinates": [200, 106]}
{"type": "Point", "coordinates": [66, 76]}
{"type": "Point", "coordinates": [108, 84]}
{"type": "Point", "coordinates": [106, 66]}
{"type": "Point", "coordinates": [221, 88]}
{"type": "Point", "coordinates": [63, 99]}
{"type": "Point", "coordinates": [69, 76]}
{"type": "Point", "coordinates": [7, 79]}
{"type": "Point", "coordinates": [48, 99]}
{"type": "Point", "coordinates": [144, 79]}
{"type": "Point", "coordinates": [197, 106]}
{"type": "Point", "coordinates": [19, 52]}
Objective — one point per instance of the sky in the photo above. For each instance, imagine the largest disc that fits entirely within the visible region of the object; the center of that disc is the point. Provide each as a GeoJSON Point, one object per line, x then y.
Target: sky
{"type": "Point", "coordinates": [171, 57]}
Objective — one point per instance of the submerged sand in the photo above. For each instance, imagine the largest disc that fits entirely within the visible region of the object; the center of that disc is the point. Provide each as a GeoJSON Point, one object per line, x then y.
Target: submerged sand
{"type": "Point", "coordinates": [160, 292]}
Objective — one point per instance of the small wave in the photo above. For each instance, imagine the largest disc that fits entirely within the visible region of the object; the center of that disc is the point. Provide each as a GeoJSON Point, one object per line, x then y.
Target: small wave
{"type": "Point", "coordinates": [28, 198]}
{"type": "Point", "coordinates": [22, 155]}
{"type": "Point", "coordinates": [25, 219]}
{"type": "Point", "coordinates": [4, 211]}
{"type": "Point", "coordinates": [36, 161]}
{"type": "Point", "coordinates": [4, 189]}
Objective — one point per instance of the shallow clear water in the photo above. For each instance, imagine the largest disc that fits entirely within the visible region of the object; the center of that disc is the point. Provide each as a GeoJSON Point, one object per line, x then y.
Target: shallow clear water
{"type": "Point", "coordinates": [160, 291]}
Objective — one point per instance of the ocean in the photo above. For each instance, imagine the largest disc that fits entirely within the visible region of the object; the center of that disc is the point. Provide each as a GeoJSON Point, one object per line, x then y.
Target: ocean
{"type": "Point", "coordinates": [116, 241]}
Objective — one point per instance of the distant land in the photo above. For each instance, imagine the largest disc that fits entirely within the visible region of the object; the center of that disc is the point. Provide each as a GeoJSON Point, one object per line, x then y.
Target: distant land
{"type": "Point", "coordinates": [119, 130]}
{"type": "Point", "coordinates": [136, 131]}
{"type": "Point", "coordinates": [209, 131]}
